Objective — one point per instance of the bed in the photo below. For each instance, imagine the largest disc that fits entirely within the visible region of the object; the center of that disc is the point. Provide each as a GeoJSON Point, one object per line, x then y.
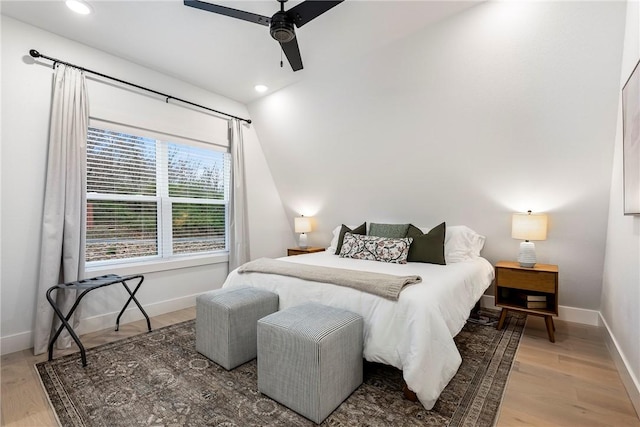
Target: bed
{"type": "Point", "coordinates": [414, 333]}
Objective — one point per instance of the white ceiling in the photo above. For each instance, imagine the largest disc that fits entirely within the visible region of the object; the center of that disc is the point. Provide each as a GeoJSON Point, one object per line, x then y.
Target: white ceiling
{"type": "Point", "coordinates": [226, 55]}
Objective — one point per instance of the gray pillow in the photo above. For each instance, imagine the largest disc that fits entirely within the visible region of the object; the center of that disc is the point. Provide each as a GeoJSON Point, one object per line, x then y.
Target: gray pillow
{"type": "Point", "coordinates": [361, 229]}
{"type": "Point", "coordinates": [428, 247]}
{"type": "Point", "coordinates": [394, 231]}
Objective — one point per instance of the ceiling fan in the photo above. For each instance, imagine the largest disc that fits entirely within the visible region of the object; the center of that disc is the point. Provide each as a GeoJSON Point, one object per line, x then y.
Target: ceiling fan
{"type": "Point", "coordinates": [280, 24]}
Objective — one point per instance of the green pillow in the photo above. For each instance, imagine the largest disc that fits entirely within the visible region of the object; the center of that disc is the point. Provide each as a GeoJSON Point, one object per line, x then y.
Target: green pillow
{"type": "Point", "coordinates": [362, 229]}
{"type": "Point", "coordinates": [427, 247]}
{"type": "Point", "coordinates": [394, 231]}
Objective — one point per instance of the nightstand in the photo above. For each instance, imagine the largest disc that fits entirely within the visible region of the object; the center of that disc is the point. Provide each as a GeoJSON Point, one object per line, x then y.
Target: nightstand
{"type": "Point", "coordinates": [301, 251]}
{"type": "Point", "coordinates": [527, 290]}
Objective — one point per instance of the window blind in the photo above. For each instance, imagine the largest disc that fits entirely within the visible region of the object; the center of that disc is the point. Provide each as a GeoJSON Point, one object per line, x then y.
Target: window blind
{"type": "Point", "coordinates": [152, 198]}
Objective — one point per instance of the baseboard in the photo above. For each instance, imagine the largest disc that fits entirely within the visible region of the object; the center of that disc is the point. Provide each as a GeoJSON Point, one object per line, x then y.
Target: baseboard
{"type": "Point", "coordinates": [569, 314]}
{"type": "Point", "coordinates": [108, 320]}
{"type": "Point", "coordinates": [629, 380]}
{"type": "Point", "coordinates": [579, 315]}
{"type": "Point", "coordinates": [23, 340]}
{"type": "Point", "coordinates": [15, 342]}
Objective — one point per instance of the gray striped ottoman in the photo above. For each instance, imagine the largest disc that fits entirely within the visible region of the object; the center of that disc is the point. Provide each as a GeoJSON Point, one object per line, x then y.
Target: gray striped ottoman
{"type": "Point", "coordinates": [226, 323]}
{"type": "Point", "coordinates": [310, 358]}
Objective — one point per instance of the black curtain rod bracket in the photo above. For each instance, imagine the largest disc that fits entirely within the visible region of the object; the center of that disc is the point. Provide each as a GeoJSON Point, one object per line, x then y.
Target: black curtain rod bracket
{"type": "Point", "coordinates": [34, 53]}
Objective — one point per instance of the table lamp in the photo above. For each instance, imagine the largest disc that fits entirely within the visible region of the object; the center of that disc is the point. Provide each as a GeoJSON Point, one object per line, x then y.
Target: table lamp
{"type": "Point", "coordinates": [302, 225]}
{"type": "Point", "coordinates": [528, 226]}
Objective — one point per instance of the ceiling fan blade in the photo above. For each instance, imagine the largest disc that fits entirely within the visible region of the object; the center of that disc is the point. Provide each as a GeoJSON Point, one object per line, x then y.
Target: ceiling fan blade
{"type": "Point", "coordinates": [310, 9]}
{"type": "Point", "coordinates": [292, 52]}
{"type": "Point", "coordinates": [227, 11]}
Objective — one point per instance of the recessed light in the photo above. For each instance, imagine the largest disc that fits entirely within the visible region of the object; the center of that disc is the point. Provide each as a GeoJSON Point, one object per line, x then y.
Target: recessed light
{"type": "Point", "coordinates": [260, 88]}
{"type": "Point", "coordinates": [79, 6]}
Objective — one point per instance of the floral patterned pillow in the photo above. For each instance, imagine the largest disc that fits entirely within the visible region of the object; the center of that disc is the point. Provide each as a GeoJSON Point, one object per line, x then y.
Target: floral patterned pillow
{"type": "Point", "coordinates": [375, 248]}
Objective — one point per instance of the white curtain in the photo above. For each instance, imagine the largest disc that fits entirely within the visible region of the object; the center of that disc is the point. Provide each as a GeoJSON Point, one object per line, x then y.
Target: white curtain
{"type": "Point", "coordinates": [238, 217]}
{"type": "Point", "coordinates": [64, 218]}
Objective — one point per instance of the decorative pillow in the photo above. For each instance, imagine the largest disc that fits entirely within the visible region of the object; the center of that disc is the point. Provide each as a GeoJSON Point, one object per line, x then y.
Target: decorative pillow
{"type": "Point", "coordinates": [388, 230]}
{"type": "Point", "coordinates": [375, 248]}
{"type": "Point", "coordinates": [361, 229]}
{"type": "Point", "coordinates": [461, 243]}
{"type": "Point", "coordinates": [427, 247]}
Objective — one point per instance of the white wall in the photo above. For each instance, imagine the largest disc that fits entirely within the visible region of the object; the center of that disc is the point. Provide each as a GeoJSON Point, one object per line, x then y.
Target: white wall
{"type": "Point", "coordinates": [506, 107]}
{"type": "Point", "coordinates": [26, 97]}
{"type": "Point", "coordinates": [620, 307]}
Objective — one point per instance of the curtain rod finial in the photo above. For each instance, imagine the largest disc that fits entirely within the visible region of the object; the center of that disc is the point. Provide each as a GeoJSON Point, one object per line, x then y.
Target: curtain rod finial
{"type": "Point", "coordinates": [34, 53]}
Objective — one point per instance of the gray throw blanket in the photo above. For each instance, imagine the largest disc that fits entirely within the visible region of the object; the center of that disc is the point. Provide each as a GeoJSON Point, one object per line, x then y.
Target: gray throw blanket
{"type": "Point", "coordinates": [383, 285]}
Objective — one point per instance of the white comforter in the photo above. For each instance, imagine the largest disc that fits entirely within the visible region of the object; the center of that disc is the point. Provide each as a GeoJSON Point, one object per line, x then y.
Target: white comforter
{"type": "Point", "coordinates": [416, 332]}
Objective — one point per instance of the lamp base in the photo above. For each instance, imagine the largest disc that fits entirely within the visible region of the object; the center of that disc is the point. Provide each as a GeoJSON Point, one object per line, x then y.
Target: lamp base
{"type": "Point", "coordinates": [527, 255]}
{"type": "Point", "coordinates": [303, 241]}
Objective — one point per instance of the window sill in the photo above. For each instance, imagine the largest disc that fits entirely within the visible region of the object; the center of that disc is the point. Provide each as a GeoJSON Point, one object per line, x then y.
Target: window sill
{"type": "Point", "coordinates": [155, 265]}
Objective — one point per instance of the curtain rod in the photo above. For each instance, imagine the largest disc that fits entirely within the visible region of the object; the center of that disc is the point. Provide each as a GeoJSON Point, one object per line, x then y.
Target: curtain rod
{"type": "Point", "coordinates": [34, 53]}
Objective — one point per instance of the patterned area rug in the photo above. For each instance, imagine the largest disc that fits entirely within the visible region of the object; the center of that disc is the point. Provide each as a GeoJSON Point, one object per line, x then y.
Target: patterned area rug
{"type": "Point", "coordinates": [158, 378]}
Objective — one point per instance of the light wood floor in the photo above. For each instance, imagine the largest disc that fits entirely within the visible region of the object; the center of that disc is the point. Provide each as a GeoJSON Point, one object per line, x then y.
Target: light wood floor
{"type": "Point", "coordinates": [570, 383]}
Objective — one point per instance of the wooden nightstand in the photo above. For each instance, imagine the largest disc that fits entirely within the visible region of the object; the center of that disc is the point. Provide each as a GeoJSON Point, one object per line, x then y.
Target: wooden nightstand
{"type": "Point", "coordinates": [301, 251]}
{"type": "Point", "coordinates": [528, 290]}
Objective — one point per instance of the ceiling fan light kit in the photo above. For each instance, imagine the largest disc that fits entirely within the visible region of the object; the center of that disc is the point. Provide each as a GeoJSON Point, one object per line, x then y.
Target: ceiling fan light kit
{"type": "Point", "coordinates": [281, 28]}
{"type": "Point", "coordinates": [281, 24]}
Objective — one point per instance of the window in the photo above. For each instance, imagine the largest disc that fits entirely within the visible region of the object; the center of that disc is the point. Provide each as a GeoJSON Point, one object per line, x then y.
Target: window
{"type": "Point", "coordinates": [153, 199]}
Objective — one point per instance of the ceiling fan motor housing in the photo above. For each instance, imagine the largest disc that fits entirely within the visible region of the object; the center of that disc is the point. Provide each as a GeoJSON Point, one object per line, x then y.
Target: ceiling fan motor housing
{"type": "Point", "coordinates": [281, 28]}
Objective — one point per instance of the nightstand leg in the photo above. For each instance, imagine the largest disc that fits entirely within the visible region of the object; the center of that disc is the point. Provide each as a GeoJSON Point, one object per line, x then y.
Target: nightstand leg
{"type": "Point", "coordinates": [503, 315]}
{"type": "Point", "coordinates": [550, 328]}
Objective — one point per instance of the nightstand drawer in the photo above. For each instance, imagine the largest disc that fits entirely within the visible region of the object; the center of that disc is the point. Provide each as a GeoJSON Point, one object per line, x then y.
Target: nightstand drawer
{"type": "Point", "coordinates": [540, 281]}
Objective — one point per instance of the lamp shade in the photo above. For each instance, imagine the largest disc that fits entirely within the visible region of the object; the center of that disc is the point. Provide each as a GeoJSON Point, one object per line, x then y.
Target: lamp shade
{"type": "Point", "coordinates": [527, 226]}
{"type": "Point", "coordinates": [302, 224]}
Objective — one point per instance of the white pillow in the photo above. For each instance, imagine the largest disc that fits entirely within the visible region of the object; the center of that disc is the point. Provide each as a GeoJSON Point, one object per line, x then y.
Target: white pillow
{"type": "Point", "coordinates": [333, 246]}
{"type": "Point", "coordinates": [334, 240]}
{"type": "Point", "coordinates": [460, 243]}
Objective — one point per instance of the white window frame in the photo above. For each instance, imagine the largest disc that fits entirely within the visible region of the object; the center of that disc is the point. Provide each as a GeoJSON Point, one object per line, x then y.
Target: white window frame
{"type": "Point", "coordinates": [165, 259]}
